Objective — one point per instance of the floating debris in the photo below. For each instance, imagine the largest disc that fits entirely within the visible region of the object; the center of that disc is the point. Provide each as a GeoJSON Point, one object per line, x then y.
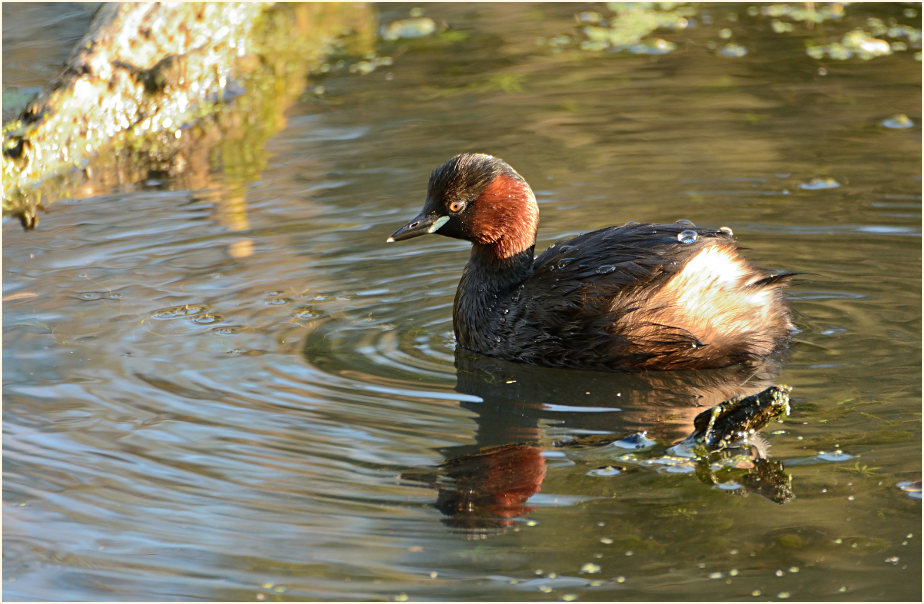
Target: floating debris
{"type": "Point", "coordinates": [733, 50]}
{"type": "Point", "coordinates": [854, 44]}
{"type": "Point", "coordinates": [913, 489]}
{"type": "Point", "coordinates": [404, 29]}
{"type": "Point", "coordinates": [369, 64]}
{"type": "Point", "coordinates": [627, 30]}
{"type": "Point", "coordinates": [817, 184]}
{"type": "Point", "coordinates": [836, 455]}
{"type": "Point", "coordinates": [808, 12]}
{"type": "Point", "coordinates": [605, 471]}
{"type": "Point", "coordinates": [639, 440]}
{"type": "Point", "coordinates": [658, 46]}
{"type": "Point", "coordinates": [673, 465]}
{"type": "Point", "coordinates": [93, 296]}
{"type": "Point", "coordinates": [186, 310]}
{"type": "Point", "coordinates": [206, 318]}
{"type": "Point", "coordinates": [590, 18]}
{"type": "Point", "coordinates": [898, 121]}
{"type": "Point", "coordinates": [781, 27]}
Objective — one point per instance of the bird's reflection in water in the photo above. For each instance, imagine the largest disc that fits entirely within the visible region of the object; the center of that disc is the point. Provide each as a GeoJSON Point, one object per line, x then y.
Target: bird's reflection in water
{"type": "Point", "coordinates": [527, 411]}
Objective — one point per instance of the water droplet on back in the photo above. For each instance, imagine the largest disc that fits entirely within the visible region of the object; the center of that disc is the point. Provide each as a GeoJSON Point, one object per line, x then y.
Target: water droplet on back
{"type": "Point", "coordinates": [605, 269]}
{"type": "Point", "coordinates": [686, 223]}
{"type": "Point", "coordinates": [686, 237]}
{"type": "Point", "coordinates": [727, 231]}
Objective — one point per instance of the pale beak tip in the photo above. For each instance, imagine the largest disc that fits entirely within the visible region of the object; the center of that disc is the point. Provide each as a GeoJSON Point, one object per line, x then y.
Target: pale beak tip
{"type": "Point", "coordinates": [390, 240]}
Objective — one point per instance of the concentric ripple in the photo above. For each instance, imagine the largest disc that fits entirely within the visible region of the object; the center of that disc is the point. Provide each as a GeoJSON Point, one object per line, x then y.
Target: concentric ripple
{"type": "Point", "coordinates": [397, 348]}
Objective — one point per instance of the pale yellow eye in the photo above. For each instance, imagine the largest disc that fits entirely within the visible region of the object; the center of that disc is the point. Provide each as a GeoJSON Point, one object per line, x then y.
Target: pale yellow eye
{"type": "Point", "coordinates": [456, 206]}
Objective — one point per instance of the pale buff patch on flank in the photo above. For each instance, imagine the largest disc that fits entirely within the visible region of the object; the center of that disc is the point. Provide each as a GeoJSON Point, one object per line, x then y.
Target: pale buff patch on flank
{"type": "Point", "coordinates": [712, 293]}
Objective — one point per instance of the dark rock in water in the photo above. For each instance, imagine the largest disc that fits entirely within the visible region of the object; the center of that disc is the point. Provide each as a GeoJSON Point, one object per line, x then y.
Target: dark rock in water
{"type": "Point", "coordinates": [740, 416]}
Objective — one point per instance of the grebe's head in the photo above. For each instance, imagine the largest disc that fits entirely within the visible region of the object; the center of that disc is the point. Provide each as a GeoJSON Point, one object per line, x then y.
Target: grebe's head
{"type": "Point", "coordinates": [481, 199]}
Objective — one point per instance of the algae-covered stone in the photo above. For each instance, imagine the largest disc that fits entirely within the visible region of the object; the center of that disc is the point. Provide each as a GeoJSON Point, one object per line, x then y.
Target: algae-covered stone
{"type": "Point", "coordinates": [164, 87]}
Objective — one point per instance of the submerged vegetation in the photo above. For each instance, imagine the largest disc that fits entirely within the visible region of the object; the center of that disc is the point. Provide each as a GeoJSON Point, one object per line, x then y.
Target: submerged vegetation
{"type": "Point", "coordinates": [654, 28]}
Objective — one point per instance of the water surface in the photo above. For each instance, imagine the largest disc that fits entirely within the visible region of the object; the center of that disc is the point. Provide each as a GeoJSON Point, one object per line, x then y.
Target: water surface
{"type": "Point", "coordinates": [237, 391]}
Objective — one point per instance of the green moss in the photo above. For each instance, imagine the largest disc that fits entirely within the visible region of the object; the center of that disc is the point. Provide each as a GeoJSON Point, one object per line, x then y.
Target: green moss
{"type": "Point", "coordinates": [631, 28]}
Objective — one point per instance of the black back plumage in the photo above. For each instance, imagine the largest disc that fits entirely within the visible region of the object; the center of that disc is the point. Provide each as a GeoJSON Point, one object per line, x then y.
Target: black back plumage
{"type": "Point", "coordinates": [588, 299]}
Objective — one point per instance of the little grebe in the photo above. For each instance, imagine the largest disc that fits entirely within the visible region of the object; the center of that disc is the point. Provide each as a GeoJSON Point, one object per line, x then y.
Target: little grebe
{"type": "Point", "coordinates": [643, 296]}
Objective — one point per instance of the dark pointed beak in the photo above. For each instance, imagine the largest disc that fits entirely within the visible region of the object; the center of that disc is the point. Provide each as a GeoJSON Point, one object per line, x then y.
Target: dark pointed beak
{"type": "Point", "coordinates": [422, 224]}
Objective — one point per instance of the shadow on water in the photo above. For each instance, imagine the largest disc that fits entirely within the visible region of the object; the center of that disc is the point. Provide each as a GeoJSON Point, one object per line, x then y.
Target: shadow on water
{"type": "Point", "coordinates": [680, 421]}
